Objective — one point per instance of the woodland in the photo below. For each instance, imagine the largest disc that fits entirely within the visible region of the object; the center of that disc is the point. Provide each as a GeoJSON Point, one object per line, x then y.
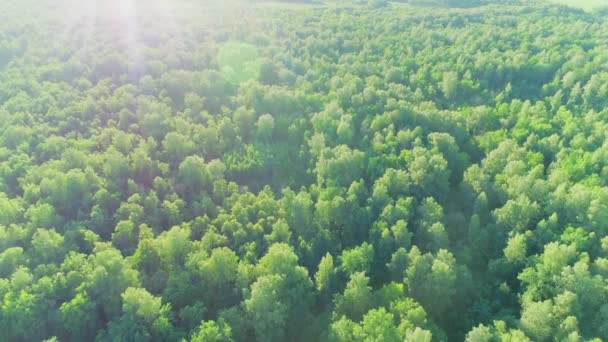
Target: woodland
{"type": "Point", "coordinates": [331, 171]}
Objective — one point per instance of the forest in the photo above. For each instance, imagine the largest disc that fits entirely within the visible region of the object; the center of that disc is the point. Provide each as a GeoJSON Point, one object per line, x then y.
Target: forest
{"type": "Point", "coordinates": [342, 171]}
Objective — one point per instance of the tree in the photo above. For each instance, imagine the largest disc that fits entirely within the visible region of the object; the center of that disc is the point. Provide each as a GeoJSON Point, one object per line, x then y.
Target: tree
{"type": "Point", "coordinates": [13, 257]}
{"type": "Point", "coordinates": [516, 249]}
{"type": "Point", "coordinates": [449, 86]}
{"type": "Point", "coordinates": [70, 193]}
{"type": "Point", "coordinates": [109, 276]}
{"type": "Point", "coordinates": [125, 237]}
{"type": "Point", "coordinates": [325, 278]}
{"type": "Point", "coordinates": [79, 318]}
{"type": "Point", "coordinates": [177, 147]}
{"type": "Point", "coordinates": [418, 335]}
{"type": "Point", "coordinates": [358, 259]}
{"type": "Point", "coordinates": [48, 246]}
{"type": "Point", "coordinates": [265, 127]}
{"type": "Point", "coordinates": [377, 325]}
{"type": "Point", "coordinates": [193, 176]}
{"type": "Point", "coordinates": [428, 171]}
{"type": "Point", "coordinates": [340, 166]}
{"type": "Point", "coordinates": [266, 308]}
{"type": "Point", "coordinates": [268, 72]}
{"type": "Point", "coordinates": [244, 119]}
{"type": "Point", "coordinates": [544, 320]}
{"type": "Point", "coordinates": [498, 330]}
{"type": "Point", "coordinates": [432, 280]}
{"type": "Point", "coordinates": [42, 215]}
{"type": "Point", "coordinates": [143, 318]}
{"type": "Point", "coordinates": [217, 275]}
{"type": "Point", "coordinates": [431, 232]}
{"type": "Point", "coordinates": [213, 332]}
{"type": "Point", "coordinates": [356, 299]}
{"type": "Point", "coordinates": [281, 283]}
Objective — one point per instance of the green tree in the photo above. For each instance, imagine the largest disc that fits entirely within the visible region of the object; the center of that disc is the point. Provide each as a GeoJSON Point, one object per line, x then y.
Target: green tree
{"type": "Point", "coordinates": [213, 331]}
{"type": "Point", "coordinates": [143, 318]}
{"type": "Point", "coordinates": [357, 298]}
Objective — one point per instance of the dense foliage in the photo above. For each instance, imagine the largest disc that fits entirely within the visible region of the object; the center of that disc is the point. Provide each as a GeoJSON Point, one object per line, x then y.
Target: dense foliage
{"type": "Point", "coordinates": [218, 171]}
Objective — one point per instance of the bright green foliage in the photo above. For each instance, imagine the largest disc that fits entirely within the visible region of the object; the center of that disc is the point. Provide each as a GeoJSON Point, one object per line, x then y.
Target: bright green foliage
{"type": "Point", "coordinates": [358, 259]}
{"type": "Point", "coordinates": [356, 299]}
{"type": "Point", "coordinates": [497, 332]}
{"type": "Point", "coordinates": [211, 331]}
{"type": "Point", "coordinates": [377, 325]}
{"type": "Point", "coordinates": [267, 311]}
{"type": "Point", "coordinates": [325, 278]}
{"type": "Point", "coordinates": [331, 170]}
{"type": "Point", "coordinates": [280, 284]}
{"type": "Point", "coordinates": [143, 318]}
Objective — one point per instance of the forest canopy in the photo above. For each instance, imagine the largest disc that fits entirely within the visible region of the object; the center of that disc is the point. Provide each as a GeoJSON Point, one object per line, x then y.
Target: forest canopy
{"type": "Point", "coordinates": [337, 171]}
